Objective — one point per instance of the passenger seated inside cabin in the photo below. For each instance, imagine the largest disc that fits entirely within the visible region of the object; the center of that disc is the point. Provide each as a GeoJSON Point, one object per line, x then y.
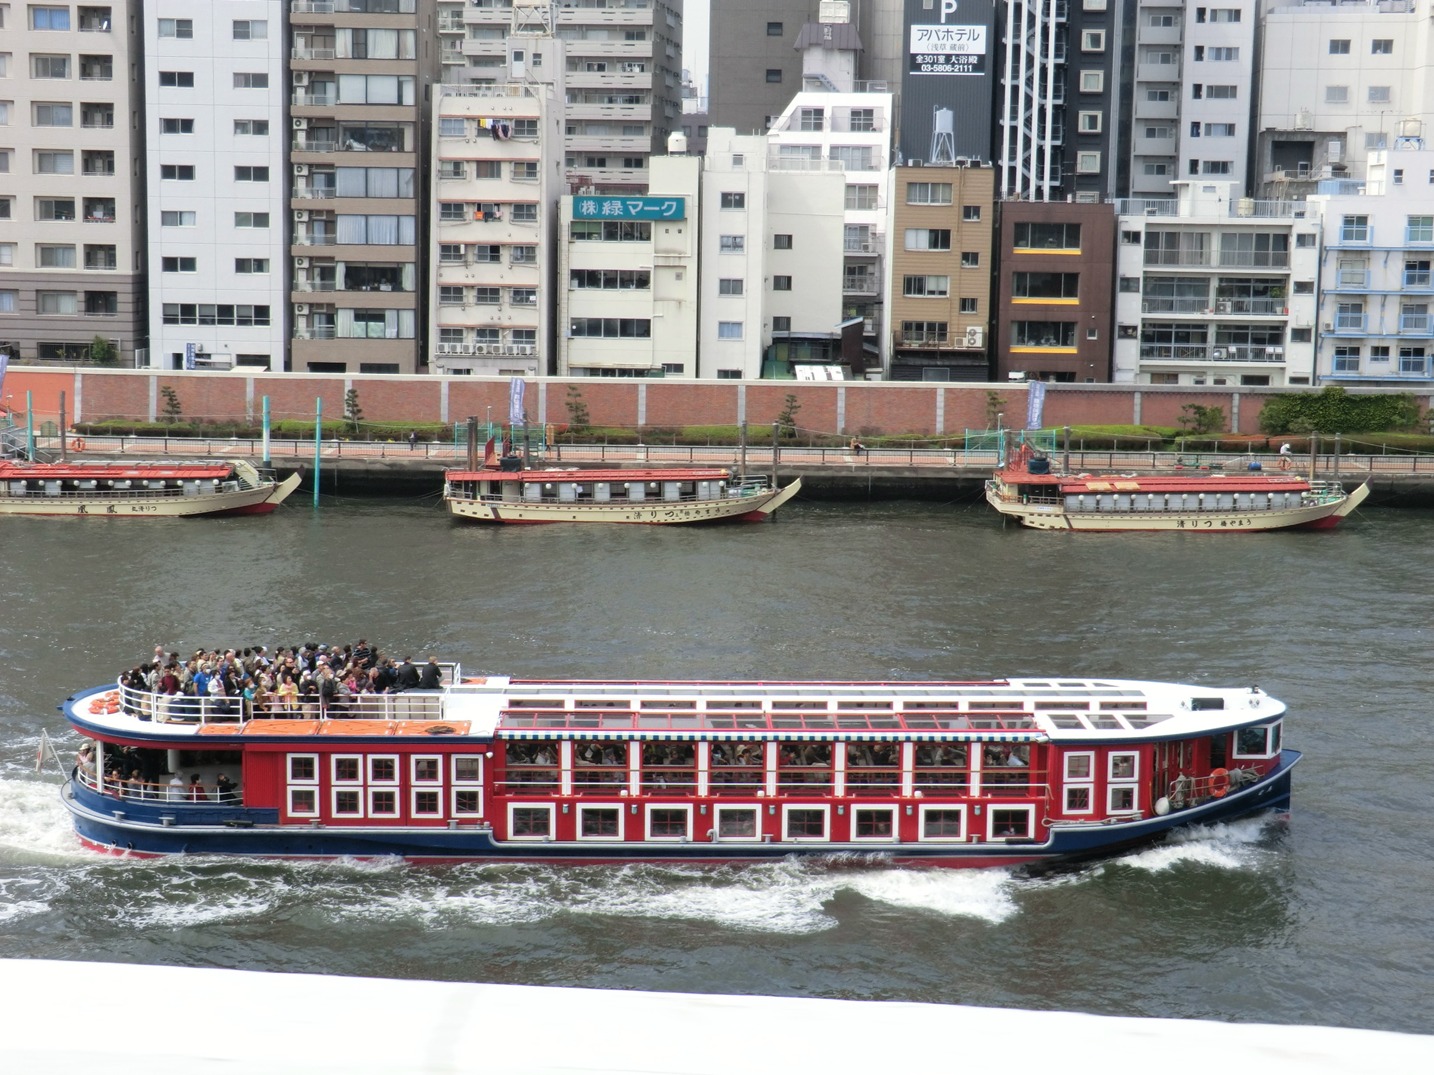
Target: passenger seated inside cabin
{"type": "Point", "coordinates": [225, 790]}
{"type": "Point", "coordinates": [197, 794]}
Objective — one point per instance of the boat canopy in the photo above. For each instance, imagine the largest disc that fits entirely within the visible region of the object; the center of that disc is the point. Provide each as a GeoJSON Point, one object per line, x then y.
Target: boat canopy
{"type": "Point", "coordinates": [490, 474]}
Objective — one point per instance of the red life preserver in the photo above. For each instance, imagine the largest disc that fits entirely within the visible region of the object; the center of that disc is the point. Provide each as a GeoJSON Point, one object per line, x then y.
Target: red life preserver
{"type": "Point", "coordinates": [1219, 782]}
{"type": "Point", "coordinates": [78, 444]}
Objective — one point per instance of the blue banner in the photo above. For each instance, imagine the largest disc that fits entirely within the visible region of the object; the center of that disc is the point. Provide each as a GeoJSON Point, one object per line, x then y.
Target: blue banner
{"type": "Point", "coordinates": [1035, 404]}
{"type": "Point", "coordinates": [586, 207]}
{"type": "Point", "coordinates": [515, 402]}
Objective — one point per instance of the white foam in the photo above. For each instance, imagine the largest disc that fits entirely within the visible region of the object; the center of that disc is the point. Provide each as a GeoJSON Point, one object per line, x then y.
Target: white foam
{"type": "Point", "coordinates": [34, 823]}
{"type": "Point", "coordinates": [1231, 845]}
{"type": "Point", "coordinates": [986, 894]}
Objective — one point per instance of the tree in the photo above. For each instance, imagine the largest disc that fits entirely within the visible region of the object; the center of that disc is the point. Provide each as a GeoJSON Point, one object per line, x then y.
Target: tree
{"type": "Point", "coordinates": [102, 352]}
{"type": "Point", "coordinates": [172, 410]}
{"type": "Point", "coordinates": [578, 418]}
{"type": "Point", "coordinates": [995, 405]}
{"type": "Point", "coordinates": [787, 419]}
{"type": "Point", "coordinates": [352, 411]}
{"type": "Point", "coordinates": [1195, 418]}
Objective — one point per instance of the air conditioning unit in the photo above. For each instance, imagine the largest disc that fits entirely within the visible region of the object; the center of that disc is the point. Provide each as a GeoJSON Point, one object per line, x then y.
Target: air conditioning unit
{"type": "Point", "coordinates": [301, 263]}
{"type": "Point", "coordinates": [1222, 306]}
{"type": "Point", "coordinates": [300, 123]}
{"type": "Point", "coordinates": [301, 215]}
{"type": "Point", "coordinates": [975, 336]}
{"type": "Point", "coordinates": [301, 169]}
{"type": "Point", "coordinates": [1218, 354]}
{"type": "Point", "coordinates": [301, 307]}
{"type": "Point", "coordinates": [301, 78]}
{"type": "Point", "coordinates": [1329, 326]}
{"type": "Point", "coordinates": [525, 349]}
{"type": "Point", "coordinates": [447, 349]}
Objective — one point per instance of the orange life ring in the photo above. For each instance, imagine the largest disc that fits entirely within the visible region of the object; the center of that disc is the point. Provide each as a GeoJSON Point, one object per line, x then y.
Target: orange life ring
{"type": "Point", "coordinates": [1219, 782]}
{"type": "Point", "coordinates": [78, 444]}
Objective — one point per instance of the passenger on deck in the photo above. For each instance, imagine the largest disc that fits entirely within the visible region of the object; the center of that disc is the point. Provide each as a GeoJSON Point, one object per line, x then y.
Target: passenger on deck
{"type": "Point", "coordinates": [407, 676]}
{"type": "Point", "coordinates": [197, 793]}
{"type": "Point", "coordinates": [224, 789]}
{"type": "Point", "coordinates": [288, 694]}
{"type": "Point", "coordinates": [432, 677]}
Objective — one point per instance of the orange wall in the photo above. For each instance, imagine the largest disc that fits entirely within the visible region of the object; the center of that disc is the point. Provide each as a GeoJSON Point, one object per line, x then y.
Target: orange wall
{"type": "Point", "coordinates": [844, 408]}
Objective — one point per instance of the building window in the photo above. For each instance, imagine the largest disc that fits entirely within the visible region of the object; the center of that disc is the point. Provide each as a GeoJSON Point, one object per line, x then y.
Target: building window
{"type": "Point", "coordinates": [781, 324]}
{"type": "Point", "coordinates": [1381, 46]}
{"type": "Point", "coordinates": [1090, 122]}
{"type": "Point", "coordinates": [251, 266]}
{"type": "Point", "coordinates": [1040, 236]}
{"type": "Point", "coordinates": [971, 213]}
{"type": "Point", "coordinates": [1092, 81]}
{"type": "Point", "coordinates": [54, 162]}
{"type": "Point", "coordinates": [54, 208]}
{"type": "Point", "coordinates": [251, 220]}
{"type": "Point", "coordinates": [970, 306]}
{"type": "Point", "coordinates": [811, 119]}
{"type": "Point", "coordinates": [774, 74]}
{"type": "Point", "coordinates": [54, 257]}
{"type": "Point", "coordinates": [1418, 229]}
{"type": "Point", "coordinates": [1219, 130]}
{"type": "Point", "coordinates": [781, 283]}
{"type": "Point", "coordinates": [926, 287]}
{"type": "Point", "coordinates": [177, 218]}
{"type": "Point", "coordinates": [251, 80]}
{"type": "Point", "coordinates": [251, 173]}
{"type": "Point", "coordinates": [1339, 46]}
{"type": "Point", "coordinates": [1379, 95]}
{"type": "Point", "coordinates": [181, 172]}
{"type": "Point", "coordinates": [729, 286]}
{"type": "Point", "coordinates": [1043, 334]}
{"type": "Point", "coordinates": [1222, 93]}
{"type": "Point", "coordinates": [1215, 167]}
{"type": "Point", "coordinates": [729, 330]}
{"type": "Point", "coordinates": [781, 242]}
{"type": "Point", "coordinates": [1218, 54]}
{"type": "Point", "coordinates": [928, 239]}
{"type": "Point", "coordinates": [970, 259]}
{"type": "Point", "coordinates": [928, 193]}
{"type": "Point", "coordinates": [774, 29]}
{"type": "Point", "coordinates": [923, 332]}
{"type": "Point", "coordinates": [1050, 286]}
{"type": "Point", "coordinates": [732, 244]}
{"type": "Point", "coordinates": [179, 264]}
{"type": "Point", "coordinates": [734, 199]}
{"type": "Point", "coordinates": [49, 18]}
{"type": "Point", "coordinates": [1336, 95]}
{"type": "Point", "coordinates": [49, 66]}
{"type": "Point", "coordinates": [861, 196]}
{"type": "Point", "coordinates": [177, 79]}
{"type": "Point", "coordinates": [176, 126]}
{"type": "Point", "coordinates": [250, 29]}
{"type": "Point", "coordinates": [1092, 41]}
{"type": "Point", "coordinates": [1087, 162]}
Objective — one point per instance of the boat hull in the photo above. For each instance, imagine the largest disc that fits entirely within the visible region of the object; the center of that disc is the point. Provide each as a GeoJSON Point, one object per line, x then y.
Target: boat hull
{"type": "Point", "coordinates": [159, 829]}
{"type": "Point", "coordinates": [1047, 516]}
{"type": "Point", "coordinates": [754, 508]}
{"type": "Point", "coordinates": [258, 500]}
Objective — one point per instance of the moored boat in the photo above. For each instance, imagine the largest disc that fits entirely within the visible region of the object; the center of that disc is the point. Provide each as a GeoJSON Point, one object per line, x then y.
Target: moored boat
{"type": "Point", "coordinates": [654, 495]}
{"type": "Point", "coordinates": [1026, 489]}
{"type": "Point", "coordinates": [1002, 772]}
{"type": "Point", "coordinates": [224, 487]}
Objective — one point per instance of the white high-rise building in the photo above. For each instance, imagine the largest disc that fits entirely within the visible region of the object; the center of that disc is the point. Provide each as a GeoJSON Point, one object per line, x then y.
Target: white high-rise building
{"type": "Point", "coordinates": [215, 126]}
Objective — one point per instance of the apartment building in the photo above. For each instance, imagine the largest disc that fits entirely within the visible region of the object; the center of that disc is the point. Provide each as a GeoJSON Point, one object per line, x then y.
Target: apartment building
{"type": "Point", "coordinates": [628, 283]}
{"type": "Point", "coordinates": [939, 292]}
{"type": "Point", "coordinates": [1376, 303]}
{"type": "Point", "coordinates": [772, 261]}
{"type": "Point", "coordinates": [1215, 289]}
{"type": "Point", "coordinates": [1054, 303]}
{"type": "Point", "coordinates": [361, 75]}
{"type": "Point", "coordinates": [71, 253]}
{"type": "Point", "coordinates": [1338, 82]}
{"type": "Point", "coordinates": [492, 252]}
{"type": "Point", "coordinates": [623, 67]}
{"type": "Point", "coordinates": [215, 129]}
{"type": "Point", "coordinates": [1194, 94]}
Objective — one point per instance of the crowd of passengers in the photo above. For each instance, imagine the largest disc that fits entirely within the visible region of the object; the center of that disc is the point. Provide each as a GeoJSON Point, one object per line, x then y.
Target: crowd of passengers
{"type": "Point", "coordinates": [135, 773]}
{"type": "Point", "coordinates": [294, 681]}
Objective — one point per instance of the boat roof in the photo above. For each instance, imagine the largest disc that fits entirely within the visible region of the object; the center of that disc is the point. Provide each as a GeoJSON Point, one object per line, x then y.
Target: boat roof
{"type": "Point", "coordinates": [1055, 709]}
{"type": "Point", "coordinates": [112, 471]}
{"type": "Point", "coordinates": [571, 474]}
{"type": "Point", "coordinates": [1180, 483]}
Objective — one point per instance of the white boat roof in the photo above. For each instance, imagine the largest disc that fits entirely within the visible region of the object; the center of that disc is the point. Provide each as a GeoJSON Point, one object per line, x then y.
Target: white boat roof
{"type": "Point", "coordinates": [328, 1025]}
{"type": "Point", "coordinates": [1055, 709]}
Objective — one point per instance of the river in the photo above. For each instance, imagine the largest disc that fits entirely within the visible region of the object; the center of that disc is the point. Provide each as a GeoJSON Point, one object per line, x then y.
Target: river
{"type": "Point", "coordinates": [1324, 919]}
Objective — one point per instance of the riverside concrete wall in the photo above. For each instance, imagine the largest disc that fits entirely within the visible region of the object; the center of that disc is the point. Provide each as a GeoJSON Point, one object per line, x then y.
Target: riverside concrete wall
{"type": "Point", "coordinates": [864, 408]}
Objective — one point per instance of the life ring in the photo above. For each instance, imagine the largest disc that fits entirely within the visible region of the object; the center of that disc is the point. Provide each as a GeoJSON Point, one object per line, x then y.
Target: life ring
{"type": "Point", "coordinates": [1219, 783]}
{"type": "Point", "coordinates": [78, 444]}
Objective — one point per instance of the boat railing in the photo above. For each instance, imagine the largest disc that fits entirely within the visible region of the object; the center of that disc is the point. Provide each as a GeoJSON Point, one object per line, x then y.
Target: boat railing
{"type": "Point", "coordinates": [223, 709]}
{"type": "Point", "coordinates": [151, 792]}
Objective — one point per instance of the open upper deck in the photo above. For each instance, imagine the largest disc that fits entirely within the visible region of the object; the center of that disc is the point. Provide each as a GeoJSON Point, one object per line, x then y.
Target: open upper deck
{"type": "Point", "coordinates": [1075, 710]}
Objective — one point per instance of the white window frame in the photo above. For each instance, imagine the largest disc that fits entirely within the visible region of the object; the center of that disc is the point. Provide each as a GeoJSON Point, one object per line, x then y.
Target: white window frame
{"type": "Point", "coordinates": [1121, 755]}
{"type": "Point", "coordinates": [991, 811]}
{"type": "Point", "coordinates": [723, 808]}
{"type": "Point", "coordinates": [312, 759]}
{"type": "Point", "coordinates": [1272, 743]}
{"type": "Point", "coordinates": [890, 811]}
{"type": "Point", "coordinates": [946, 807]}
{"type": "Point", "coordinates": [1092, 80]}
{"type": "Point", "coordinates": [1090, 122]}
{"type": "Point", "coordinates": [1125, 787]}
{"type": "Point", "coordinates": [826, 812]}
{"type": "Point", "coordinates": [647, 823]}
{"type": "Point", "coordinates": [1070, 780]}
{"type": "Point", "coordinates": [338, 781]}
{"type": "Point", "coordinates": [384, 789]}
{"type": "Point", "coordinates": [414, 759]}
{"type": "Point", "coordinates": [424, 789]}
{"type": "Point", "coordinates": [552, 831]}
{"type": "Point", "coordinates": [342, 789]}
{"type": "Point", "coordinates": [1092, 41]}
{"type": "Point", "coordinates": [376, 781]}
{"type": "Point", "coordinates": [583, 808]}
{"type": "Point", "coordinates": [302, 789]}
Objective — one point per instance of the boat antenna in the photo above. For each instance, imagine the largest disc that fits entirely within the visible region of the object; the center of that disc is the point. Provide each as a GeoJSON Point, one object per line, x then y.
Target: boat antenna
{"type": "Point", "coordinates": [742, 450]}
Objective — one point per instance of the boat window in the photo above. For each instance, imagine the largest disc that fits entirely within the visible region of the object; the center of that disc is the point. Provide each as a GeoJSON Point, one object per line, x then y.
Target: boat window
{"type": "Point", "coordinates": [1006, 768]}
{"type": "Point", "coordinates": [873, 765]}
{"type": "Point", "coordinates": [1078, 799]}
{"type": "Point", "coordinates": [1008, 822]}
{"type": "Point", "coordinates": [348, 802]}
{"type": "Point", "coordinates": [804, 823]}
{"type": "Point", "coordinates": [1258, 742]}
{"type": "Point", "coordinates": [1066, 721]}
{"type": "Point", "coordinates": [804, 767]}
{"type": "Point", "coordinates": [599, 764]}
{"type": "Point", "coordinates": [1207, 703]}
{"type": "Point", "coordinates": [1080, 766]}
{"type": "Point", "coordinates": [669, 768]}
{"type": "Point", "coordinates": [303, 802]}
{"type": "Point", "coordinates": [530, 822]}
{"type": "Point", "coordinates": [941, 766]}
{"type": "Point", "coordinates": [1123, 766]}
{"type": "Point", "coordinates": [467, 769]}
{"type": "Point", "coordinates": [599, 822]}
{"type": "Point", "coordinates": [427, 802]}
{"type": "Point", "coordinates": [1079, 770]}
{"type": "Point", "coordinates": [347, 769]}
{"type": "Point", "coordinates": [669, 822]}
{"type": "Point", "coordinates": [383, 770]}
{"type": "Point", "coordinates": [303, 768]}
{"type": "Point", "coordinates": [736, 767]}
{"type": "Point", "coordinates": [669, 703]}
{"type": "Point", "coordinates": [531, 766]}
{"type": "Point", "coordinates": [736, 823]}
{"type": "Point", "coordinates": [1062, 705]}
{"type": "Point", "coordinates": [943, 823]}
{"type": "Point", "coordinates": [427, 769]}
{"type": "Point", "coordinates": [873, 823]}
{"type": "Point", "coordinates": [382, 802]}
{"type": "Point", "coordinates": [467, 802]}
{"type": "Point", "coordinates": [870, 705]}
{"type": "Point", "coordinates": [1122, 798]}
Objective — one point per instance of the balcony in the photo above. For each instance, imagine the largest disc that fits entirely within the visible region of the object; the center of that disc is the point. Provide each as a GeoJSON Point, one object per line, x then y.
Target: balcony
{"type": "Point", "coordinates": [1202, 353]}
{"type": "Point", "coordinates": [304, 99]}
{"type": "Point", "coordinates": [311, 238]}
{"type": "Point", "coordinates": [1415, 324]}
{"type": "Point", "coordinates": [1350, 323]}
{"type": "Point", "coordinates": [313, 332]}
{"type": "Point", "coordinates": [313, 193]}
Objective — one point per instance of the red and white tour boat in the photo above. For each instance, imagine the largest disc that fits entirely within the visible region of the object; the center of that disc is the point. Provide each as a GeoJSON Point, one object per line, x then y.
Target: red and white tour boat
{"type": "Point", "coordinates": [660, 495]}
{"type": "Point", "coordinates": [493, 768]}
{"type": "Point", "coordinates": [1203, 501]}
{"type": "Point", "coordinates": [135, 490]}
